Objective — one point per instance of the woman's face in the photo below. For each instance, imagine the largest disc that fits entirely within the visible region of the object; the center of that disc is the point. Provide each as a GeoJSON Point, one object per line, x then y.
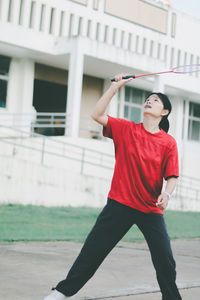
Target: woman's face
{"type": "Point", "coordinates": [153, 106]}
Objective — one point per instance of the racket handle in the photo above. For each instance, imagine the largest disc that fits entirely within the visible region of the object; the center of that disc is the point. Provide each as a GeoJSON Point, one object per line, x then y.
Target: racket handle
{"type": "Point", "coordinates": [124, 77]}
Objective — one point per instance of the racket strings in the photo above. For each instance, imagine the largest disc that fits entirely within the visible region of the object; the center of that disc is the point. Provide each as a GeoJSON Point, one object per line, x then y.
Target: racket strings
{"type": "Point", "coordinates": [178, 70]}
{"type": "Point", "coordinates": [187, 69]}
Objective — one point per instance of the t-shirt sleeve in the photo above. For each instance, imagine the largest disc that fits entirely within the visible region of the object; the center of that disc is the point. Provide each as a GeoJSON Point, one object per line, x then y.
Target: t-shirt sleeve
{"type": "Point", "coordinates": [171, 163]}
{"type": "Point", "coordinates": [114, 128]}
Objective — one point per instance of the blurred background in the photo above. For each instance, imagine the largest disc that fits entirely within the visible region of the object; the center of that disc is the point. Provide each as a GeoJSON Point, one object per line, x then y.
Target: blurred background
{"type": "Point", "coordinates": [56, 58]}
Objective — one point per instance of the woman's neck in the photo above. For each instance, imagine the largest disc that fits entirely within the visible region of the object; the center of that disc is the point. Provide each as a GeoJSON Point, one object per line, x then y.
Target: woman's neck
{"type": "Point", "coordinates": [151, 124]}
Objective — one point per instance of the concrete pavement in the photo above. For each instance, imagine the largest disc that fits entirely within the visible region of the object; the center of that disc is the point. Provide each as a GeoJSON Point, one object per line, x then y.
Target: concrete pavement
{"type": "Point", "coordinates": [29, 270]}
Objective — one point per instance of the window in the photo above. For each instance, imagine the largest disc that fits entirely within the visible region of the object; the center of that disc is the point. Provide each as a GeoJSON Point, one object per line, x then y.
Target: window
{"type": "Point", "coordinates": [114, 36]}
{"type": "Point", "coordinates": [10, 11]}
{"type": "Point", "coordinates": [95, 4]}
{"type": "Point", "coordinates": [191, 62]}
{"type": "Point", "coordinates": [198, 61]}
{"type": "Point", "coordinates": [183, 127]}
{"type": "Point", "coordinates": [71, 19]}
{"type": "Point", "coordinates": [32, 14]}
{"type": "Point", "coordinates": [52, 21]}
{"type": "Point", "coordinates": [3, 92]}
{"type": "Point", "coordinates": [80, 21]}
{"type": "Point", "coordinates": [83, 2]}
{"type": "Point", "coordinates": [89, 28]}
{"type": "Point", "coordinates": [4, 69]}
{"type": "Point", "coordinates": [191, 59]}
{"type": "Point", "coordinates": [158, 50]}
{"type": "Point", "coordinates": [165, 53]}
{"type": "Point", "coordinates": [129, 41]}
{"type": "Point", "coordinates": [178, 57]}
{"type": "Point", "coordinates": [151, 48]}
{"type": "Point", "coordinates": [185, 58]}
{"type": "Point", "coordinates": [122, 39]}
{"type": "Point", "coordinates": [144, 46]}
{"type": "Point", "coordinates": [134, 99]}
{"type": "Point", "coordinates": [97, 31]}
{"type": "Point", "coordinates": [21, 11]}
{"type": "Point", "coordinates": [172, 57]}
{"type": "Point", "coordinates": [61, 23]}
{"type": "Point", "coordinates": [194, 122]}
{"type": "Point", "coordinates": [42, 15]}
{"type": "Point", "coordinates": [173, 26]}
{"type": "Point", "coordinates": [106, 34]}
{"type": "Point", "coordinates": [136, 43]}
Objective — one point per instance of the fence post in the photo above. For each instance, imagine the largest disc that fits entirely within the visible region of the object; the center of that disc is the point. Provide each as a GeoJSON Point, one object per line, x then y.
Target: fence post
{"type": "Point", "coordinates": [43, 150]}
{"type": "Point", "coordinates": [82, 160]}
{"type": "Point", "coordinates": [101, 159]}
{"type": "Point", "coordinates": [52, 118]}
{"type": "Point", "coordinates": [64, 149]}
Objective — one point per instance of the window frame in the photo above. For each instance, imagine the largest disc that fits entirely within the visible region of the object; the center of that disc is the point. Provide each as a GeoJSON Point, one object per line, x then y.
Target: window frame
{"type": "Point", "coordinates": [5, 77]}
{"type": "Point", "coordinates": [192, 118]}
{"type": "Point", "coordinates": [131, 104]}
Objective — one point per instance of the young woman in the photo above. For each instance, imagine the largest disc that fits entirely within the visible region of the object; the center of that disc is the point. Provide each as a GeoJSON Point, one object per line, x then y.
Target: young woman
{"type": "Point", "coordinates": [145, 154]}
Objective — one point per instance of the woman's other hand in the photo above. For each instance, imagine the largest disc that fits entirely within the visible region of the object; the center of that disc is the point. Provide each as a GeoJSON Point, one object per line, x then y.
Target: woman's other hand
{"type": "Point", "coordinates": [162, 202]}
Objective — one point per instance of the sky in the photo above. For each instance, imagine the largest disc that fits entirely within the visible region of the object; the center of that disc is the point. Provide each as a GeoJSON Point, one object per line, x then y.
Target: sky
{"type": "Point", "coordinates": [191, 7]}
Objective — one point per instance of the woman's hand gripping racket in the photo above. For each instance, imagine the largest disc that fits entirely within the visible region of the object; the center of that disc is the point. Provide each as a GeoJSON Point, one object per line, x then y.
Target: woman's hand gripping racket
{"type": "Point", "coordinates": [177, 70]}
{"type": "Point", "coordinates": [120, 80]}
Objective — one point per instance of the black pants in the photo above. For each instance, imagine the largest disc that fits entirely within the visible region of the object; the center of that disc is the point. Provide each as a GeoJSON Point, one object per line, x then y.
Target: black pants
{"type": "Point", "coordinates": [112, 224]}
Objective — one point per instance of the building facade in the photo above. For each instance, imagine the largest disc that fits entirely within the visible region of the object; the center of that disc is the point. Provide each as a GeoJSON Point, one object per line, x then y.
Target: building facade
{"type": "Point", "coordinates": [58, 57]}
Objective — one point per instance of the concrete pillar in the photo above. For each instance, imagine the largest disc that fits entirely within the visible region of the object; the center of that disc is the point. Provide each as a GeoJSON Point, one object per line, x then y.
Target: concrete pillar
{"type": "Point", "coordinates": [74, 90]}
{"type": "Point", "coordinates": [112, 108]}
{"type": "Point", "coordinates": [90, 4]}
{"type": "Point", "coordinates": [185, 138]}
{"type": "Point", "coordinates": [101, 6]}
{"type": "Point", "coordinates": [158, 85]}
{"type": "Point", "coordinates": [176, 118]}
{"type": "Point", "coordinates": [4, 11]}
{"type": "Point", "coordinates": [20, 87]}
{"type": "Point", "coordinates": [101, 3]}
{"type": "Point", "coordinates": [121, 102]}
{"type": "Point", "coordinates": [15, 9]}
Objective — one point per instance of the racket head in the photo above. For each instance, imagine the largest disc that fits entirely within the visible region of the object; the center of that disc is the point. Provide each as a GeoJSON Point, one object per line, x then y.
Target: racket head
{"type": "Point", "coordinates": [186, 69]}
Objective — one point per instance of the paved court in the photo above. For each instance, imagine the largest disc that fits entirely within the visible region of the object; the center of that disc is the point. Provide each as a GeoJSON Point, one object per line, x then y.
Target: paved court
{"type": "Point", "coordinates": [29, 270]}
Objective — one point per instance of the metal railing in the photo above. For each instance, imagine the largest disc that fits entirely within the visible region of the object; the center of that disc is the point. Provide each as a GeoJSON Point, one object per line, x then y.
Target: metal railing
{"type": "Point", "coordinates": [190, 182]}
{"type": "Point", "coordinates": [187, 192]}
{"type": "Point", "coordinates": [50, 124]}
{"type": "Point", "coordinates": [55, 147]}
{"type": "Point", "coordinates": [41, 122]}
{"type": "Point", "coordinates": [37, 119]}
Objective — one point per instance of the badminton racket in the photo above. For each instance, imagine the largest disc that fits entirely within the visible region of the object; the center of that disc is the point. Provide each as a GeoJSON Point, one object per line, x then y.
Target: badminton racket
{"type": "Point", "coordinates": [177, 70]}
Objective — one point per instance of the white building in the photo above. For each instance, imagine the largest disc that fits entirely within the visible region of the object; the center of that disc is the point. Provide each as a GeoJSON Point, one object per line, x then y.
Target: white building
{"type": "Point", "coordinates": [56, 56]}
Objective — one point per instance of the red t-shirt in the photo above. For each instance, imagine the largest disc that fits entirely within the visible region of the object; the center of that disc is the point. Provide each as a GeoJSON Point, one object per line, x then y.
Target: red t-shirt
{"type": "Point", "coordinates": [142, 160]}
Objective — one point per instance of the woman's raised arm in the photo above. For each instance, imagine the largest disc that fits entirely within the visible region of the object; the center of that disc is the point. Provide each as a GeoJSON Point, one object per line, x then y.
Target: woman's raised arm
{"type": "Point", "coordinates": [98, 113]}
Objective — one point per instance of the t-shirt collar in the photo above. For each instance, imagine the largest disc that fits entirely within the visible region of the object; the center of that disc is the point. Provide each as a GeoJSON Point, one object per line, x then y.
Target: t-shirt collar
{"type": "Point", "coordinates": [150, 133]}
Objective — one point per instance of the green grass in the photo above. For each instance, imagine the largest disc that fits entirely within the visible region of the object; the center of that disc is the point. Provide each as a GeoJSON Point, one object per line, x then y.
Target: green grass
{"type": "Point", "coordinates": [36, 223]}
